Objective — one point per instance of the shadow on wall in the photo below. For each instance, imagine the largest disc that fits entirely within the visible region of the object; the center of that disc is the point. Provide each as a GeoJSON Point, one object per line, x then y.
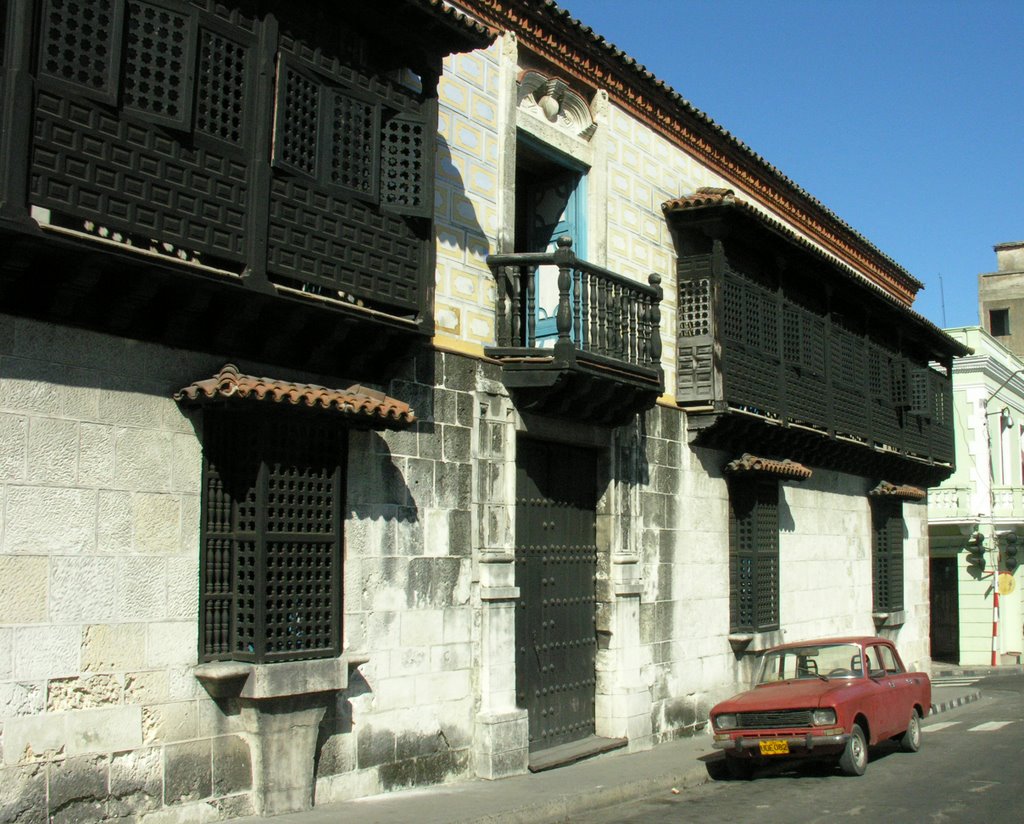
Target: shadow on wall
{"type": "Point", "coordinates": [331, 756]}
{"type": "Point", "coordinates": [456, 223]}
{"type": "Point", "coordinates": [377, 479]}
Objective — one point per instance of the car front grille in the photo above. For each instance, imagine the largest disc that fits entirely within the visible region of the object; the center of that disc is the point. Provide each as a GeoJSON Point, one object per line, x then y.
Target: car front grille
{"type": "Point", "coordinates": [778, 718]}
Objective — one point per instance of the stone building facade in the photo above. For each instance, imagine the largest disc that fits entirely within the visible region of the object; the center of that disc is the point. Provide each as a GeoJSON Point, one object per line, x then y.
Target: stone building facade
{"type": "Point", "coordinates": [1001, 297]}
{"type": "Point", "coordinates": [331, 464]}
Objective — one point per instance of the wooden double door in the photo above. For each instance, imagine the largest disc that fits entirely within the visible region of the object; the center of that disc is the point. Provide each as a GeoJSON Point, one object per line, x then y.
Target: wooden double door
{"type": "Point", "coordinates": [556, 568]}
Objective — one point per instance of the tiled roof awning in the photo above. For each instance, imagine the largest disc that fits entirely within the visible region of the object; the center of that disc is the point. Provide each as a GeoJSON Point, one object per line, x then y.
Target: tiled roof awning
{"type": "Point", "coordinates": [364, 408]}
{"type": "Point", "coordinates": [787, 469]}
{"type": "Point", "coordinates": [902, 491]}
{"type": "Point", "coordinates": [704, 196]}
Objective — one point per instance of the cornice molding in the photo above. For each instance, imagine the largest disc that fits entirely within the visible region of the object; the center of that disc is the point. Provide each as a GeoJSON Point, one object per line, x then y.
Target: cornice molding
{"type": "Point", "coordinates": [655, 104]}
{"type": "Point", "coordinates": [991, 369]}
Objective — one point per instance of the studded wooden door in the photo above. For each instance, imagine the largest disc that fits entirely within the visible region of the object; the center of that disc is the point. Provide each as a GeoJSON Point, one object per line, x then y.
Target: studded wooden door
{"type": "Point", "coordinates": [556, 563]}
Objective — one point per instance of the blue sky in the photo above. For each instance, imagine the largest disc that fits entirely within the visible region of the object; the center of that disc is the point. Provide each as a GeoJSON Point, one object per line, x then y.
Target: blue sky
{"type": "Point", "coordinates": [905, 118]}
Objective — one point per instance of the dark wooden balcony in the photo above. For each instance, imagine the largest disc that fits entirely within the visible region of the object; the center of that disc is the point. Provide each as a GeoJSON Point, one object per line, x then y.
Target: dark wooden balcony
{"type": "Point", "coordinates": [782, 348]}
{"type": "Point", "coordinates": [252, 178]}
{"type": "Point", "coordinates": [601, 359]}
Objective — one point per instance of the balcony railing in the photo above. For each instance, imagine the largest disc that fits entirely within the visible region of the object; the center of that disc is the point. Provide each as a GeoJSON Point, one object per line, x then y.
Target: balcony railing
{"type": "Point", "coordinates": [584, 340]}
{"type": "Point", "coordinates": [950, 503]}
{"type": "Point", "coordinates": [1008, 502]}
{"type": "Point", "coordinates": [598, 312]}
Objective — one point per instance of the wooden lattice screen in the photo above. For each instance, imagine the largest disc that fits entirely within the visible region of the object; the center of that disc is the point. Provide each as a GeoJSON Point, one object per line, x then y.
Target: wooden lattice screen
{"type": "Point", "coordinates": [887, 554]}
{"type": "Point", "coordinates": [272, 529]}
{"type": "Point", "coordinates": [754, 555]}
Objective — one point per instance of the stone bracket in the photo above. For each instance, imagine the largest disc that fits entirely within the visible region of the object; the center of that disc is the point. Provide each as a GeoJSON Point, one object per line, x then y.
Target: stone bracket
{"type": "Point", "coordinates": [752, 643]}
{"type": "Point", "coordinates": [896, 618]}
{"type": "Point", "coordinates": [281, 706]}
{"type": "Point", "coordinates": [239, 679]}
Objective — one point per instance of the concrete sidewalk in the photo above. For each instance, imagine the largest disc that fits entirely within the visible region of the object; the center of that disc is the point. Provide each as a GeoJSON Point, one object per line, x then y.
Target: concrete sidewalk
{"type": "Point", "coordinates": [571, 790]}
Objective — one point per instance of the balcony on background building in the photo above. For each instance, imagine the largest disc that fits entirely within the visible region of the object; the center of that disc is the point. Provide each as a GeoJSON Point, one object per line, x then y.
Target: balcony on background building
{"type": "Point", "coordinates": [1008, 503]}
{"type": "Point", "coordinates": [600, 358]}
{"type": "Point", "coordinates": [951, 503]}
{"type": "Point", "coordinates": [252, 178]}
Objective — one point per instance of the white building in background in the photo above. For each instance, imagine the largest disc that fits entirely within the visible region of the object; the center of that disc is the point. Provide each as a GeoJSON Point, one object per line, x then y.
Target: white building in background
{"type": "Point", "coordinates": [984, 496]}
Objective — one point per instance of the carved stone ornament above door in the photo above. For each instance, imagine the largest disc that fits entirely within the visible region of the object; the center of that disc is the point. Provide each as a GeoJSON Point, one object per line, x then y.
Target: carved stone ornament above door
{"type": "Point", "coordinates": [553, 101]}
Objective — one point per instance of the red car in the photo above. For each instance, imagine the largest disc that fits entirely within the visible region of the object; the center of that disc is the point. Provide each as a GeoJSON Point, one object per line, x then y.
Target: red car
{"type": "Point", "coordinates": [823, 699]}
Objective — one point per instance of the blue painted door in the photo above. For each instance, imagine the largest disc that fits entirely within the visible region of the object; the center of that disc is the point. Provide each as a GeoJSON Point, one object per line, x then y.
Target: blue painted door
{"type": "Point", "coordinates": [555, 208]}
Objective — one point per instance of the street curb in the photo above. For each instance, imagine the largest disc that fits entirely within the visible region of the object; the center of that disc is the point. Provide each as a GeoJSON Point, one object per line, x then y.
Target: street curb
{"type": "Point", "coordinates": [979, 672]}
{"type": "Point", "coordinates": [587, 800]}
{"type": "Point", "coordinates": [953, 703]}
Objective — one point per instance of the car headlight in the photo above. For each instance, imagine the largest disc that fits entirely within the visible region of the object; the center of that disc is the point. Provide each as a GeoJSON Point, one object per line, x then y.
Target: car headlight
{"type": "Point", "coordinates": [822, 718]}
{"type": "Point", "coordinates": [725, 721]}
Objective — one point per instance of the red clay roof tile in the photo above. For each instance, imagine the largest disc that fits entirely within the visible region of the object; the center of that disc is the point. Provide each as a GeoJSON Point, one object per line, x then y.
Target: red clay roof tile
{"type": "Point", "coordinates": [769, 466]}
{"type": "Point", "coordinates": [363, 406]}
{"type": "Point", "coordinates": [904, 491]}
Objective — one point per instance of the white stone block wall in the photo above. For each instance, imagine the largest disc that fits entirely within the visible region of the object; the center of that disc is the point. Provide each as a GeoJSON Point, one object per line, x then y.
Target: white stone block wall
{"type": "Point", "coordinates": [99, 479]}
{"type": "Point", "coordinates": [825, 575]}
{"type": "Point", "coordinates": [407, 716]}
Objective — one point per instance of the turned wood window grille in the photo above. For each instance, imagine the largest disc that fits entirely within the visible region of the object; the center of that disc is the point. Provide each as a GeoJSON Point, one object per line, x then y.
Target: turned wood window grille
{"type": "Point", "coordinates": [146, 132]}
{"type": "Point", "coordinates": [343, 138]}
{"type": "Point", "coordinates": [887, 555]}
{"type": "Point", "coordinates": [753, 555]}
{"type": "Point", "coordinates": [271, 551]}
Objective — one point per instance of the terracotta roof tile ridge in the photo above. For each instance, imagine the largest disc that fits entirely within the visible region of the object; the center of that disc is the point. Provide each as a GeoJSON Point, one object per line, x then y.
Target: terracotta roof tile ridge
{"type": "Point", "coordinates": [459, 18]}
{"type": "Point", "coordinates": [885, 489]}
{"type": "Point", "coordinates": [356, 401]}
{"type": "Point", "coordinates": [769, 466]}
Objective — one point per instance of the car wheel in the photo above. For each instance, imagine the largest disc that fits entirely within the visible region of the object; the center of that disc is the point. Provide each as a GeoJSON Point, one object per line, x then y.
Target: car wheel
{"type": "Point", "coordinates": [739, 769]}
{"type": "Point", "coordinates": [854, 759]}
{"type": "Point", "coordinates": [910, 741]}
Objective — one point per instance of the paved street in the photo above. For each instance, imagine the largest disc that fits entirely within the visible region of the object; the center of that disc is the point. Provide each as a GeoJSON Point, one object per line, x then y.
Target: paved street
{"type": "Point", "coordinates": [968, 770]}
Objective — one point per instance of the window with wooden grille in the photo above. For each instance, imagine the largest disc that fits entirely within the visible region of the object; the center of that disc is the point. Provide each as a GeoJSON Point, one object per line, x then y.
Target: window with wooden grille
{"type": "Point", "coordinates": [887, 555]}
{"type": "Point", "coordinates": [753, 555]}
{"type": "Point", "coordinates": [271, 553]}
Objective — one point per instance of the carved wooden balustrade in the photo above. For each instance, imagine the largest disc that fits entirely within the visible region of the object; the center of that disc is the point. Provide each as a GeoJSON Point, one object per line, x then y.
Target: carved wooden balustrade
{"type": "Point", "coordinates": [599, 312]}
{"type": "Point", "coordinates": [606, 327]}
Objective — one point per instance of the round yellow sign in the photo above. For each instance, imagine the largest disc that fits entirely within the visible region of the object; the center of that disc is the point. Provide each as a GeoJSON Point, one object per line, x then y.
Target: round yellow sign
{"type": "Point", "coordinates": [1007, 583]}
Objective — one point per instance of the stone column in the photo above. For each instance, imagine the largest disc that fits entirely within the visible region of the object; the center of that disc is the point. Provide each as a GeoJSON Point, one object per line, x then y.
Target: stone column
{"type": "Point", "coordinates": [501, 737]}
{"type": "Point", "coordinates": [623, 701]}
{"type": "Point", "coordinates": [283, 732]}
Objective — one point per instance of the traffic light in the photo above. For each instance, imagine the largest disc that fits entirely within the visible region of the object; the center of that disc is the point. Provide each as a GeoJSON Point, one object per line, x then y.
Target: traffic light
{"type": "Point", "coordinates": [976, 553]}
{"type": "Point", "coordinates": [1010, 552]}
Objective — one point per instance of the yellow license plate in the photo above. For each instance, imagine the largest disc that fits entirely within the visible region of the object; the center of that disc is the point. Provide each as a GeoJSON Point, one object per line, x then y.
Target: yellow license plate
{"type": "Point", "coordinates": [774, 747]}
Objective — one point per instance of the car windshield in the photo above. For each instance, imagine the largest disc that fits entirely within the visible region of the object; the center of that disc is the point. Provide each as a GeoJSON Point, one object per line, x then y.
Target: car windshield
{"type": "Point", "coordinates": [817, 661]}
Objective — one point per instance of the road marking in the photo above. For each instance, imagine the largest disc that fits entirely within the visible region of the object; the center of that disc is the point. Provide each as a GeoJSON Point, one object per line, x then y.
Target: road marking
{"type": "Point", "coordinates": [940, 726]}
{"type": "Point", "coordinates": [988, 726]}
{"type": "Point", "coordinates": [954, 682]}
